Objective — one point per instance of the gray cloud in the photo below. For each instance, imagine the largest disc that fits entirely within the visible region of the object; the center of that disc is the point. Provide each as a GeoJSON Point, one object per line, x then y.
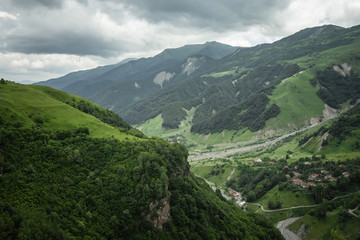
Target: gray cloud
{"type": "Point", "coordinates": [62, 43]}
{"type": "Point", "coordinates": [212, 14]}
{"type": "Point", "coordinates": [37, 3]}
{"type": "Point", "coordinates": [99, 30]}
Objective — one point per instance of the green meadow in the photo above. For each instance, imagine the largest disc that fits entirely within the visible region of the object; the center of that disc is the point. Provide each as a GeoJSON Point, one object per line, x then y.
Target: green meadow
{"type": "Point", "coordinates": [32, 105]}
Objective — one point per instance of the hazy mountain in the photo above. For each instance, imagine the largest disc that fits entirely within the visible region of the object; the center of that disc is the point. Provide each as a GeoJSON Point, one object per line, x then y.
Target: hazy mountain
{"type": "Point", "coordinates": [116, 86]}
{"type": "Point", "coordinates": [62, 82]}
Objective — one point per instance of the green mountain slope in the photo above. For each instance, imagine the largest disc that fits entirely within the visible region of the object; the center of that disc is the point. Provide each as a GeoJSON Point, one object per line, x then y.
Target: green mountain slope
{"type": "Point", "coordinates": [265, 90]}
{"type": "Point", "coordinates": [66, 173]}
{"type": "Point", "coordinates": [116, 86]}
{"type": "Point", "coordinates": [32, 106]}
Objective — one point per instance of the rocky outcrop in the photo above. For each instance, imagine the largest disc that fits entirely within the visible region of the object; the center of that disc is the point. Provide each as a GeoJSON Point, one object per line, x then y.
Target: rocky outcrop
{"type": "Point", "coordinates": [159, 213]}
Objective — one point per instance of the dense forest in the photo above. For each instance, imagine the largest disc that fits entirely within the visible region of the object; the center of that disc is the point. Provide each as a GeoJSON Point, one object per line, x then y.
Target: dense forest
{"type": "Point", "coordinates": [59, 186]}
{"type": "Point", "coordinates": [338, 87]}
{"type": "Point", "coordinates": [68, 184]}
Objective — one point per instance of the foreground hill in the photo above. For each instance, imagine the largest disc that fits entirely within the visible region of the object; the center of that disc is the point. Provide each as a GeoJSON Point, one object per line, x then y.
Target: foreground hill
{"type": "Point", "coordinates": [64, 176]}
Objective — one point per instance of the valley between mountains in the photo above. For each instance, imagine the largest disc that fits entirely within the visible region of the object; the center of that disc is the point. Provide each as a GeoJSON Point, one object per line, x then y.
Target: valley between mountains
{"type": "Point", "coordinates": [128, 151]}
{"type": "Point", "coordinates": [272, 123]}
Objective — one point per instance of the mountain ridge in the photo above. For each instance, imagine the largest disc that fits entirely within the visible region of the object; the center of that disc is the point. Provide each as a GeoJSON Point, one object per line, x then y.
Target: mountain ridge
{"type": "Point", "coordinates": [137, 76]}
{"type": "Point", "coordinates": [261, 68]}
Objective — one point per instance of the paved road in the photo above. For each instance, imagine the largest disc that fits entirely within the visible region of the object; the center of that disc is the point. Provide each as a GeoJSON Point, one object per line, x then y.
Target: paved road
{"type": "Point", "coordinates": [287, 234]}
{"type": "Point", "coordinates": [282, 209]}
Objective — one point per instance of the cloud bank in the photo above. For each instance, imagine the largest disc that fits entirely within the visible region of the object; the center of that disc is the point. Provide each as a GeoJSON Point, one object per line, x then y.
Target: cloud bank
{"type": "Point", "coordinates": [48, 38]}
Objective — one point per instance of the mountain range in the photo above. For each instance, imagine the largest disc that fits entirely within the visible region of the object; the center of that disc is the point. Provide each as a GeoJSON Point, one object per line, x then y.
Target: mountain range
{"type": "Point", "coordinates": [117, 86]}
{"type": "Point", "coordinates": [238, 92]}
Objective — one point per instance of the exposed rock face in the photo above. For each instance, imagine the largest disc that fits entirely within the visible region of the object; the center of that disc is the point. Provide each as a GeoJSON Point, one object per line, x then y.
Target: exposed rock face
{"type": "Point", "coordinates": [159, 213]}
{"type": "Point", "coordinates": [163, 76]}
{"type": "Point", "coordinates": [344, 69]}
{"type": "Point", "coordinates": [192, 63]}
{"type": "Point", "coordinates": [329, 112]}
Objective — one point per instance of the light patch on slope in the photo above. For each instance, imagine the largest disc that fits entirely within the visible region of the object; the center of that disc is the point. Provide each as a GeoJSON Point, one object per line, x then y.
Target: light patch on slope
{"type": "Point", "coordinates": [344, 69]}
{"type": "Point", "coordinates": [192, 63]}
{"type": "Point", "coordinates": [163, 76]}
{"type": "Point", "coordinates": [329, 112]}
{"type": "Point", "coordinates": [136, 85]}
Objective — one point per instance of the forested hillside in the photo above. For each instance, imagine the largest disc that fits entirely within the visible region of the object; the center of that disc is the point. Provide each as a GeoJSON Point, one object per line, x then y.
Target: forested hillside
{"type": "Point", "coordinates": [60, 180]}
{"type": "Point", "coordinates": [246, 89]}
{"type": "Point", "coordinates": [116, 86]}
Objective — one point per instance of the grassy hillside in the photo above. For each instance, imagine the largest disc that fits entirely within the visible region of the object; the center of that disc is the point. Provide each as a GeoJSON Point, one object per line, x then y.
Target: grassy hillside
{"type": "Point", "coordinates": [72, 170]}
{"type": "Point", "coordinates": [294, 88]}
{"type": "Point", "coordinates": [28, 106]}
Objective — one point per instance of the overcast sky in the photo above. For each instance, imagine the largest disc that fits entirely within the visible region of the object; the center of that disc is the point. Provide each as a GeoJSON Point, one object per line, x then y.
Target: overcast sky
{"type": "Point", "coordinates": [42, 39]}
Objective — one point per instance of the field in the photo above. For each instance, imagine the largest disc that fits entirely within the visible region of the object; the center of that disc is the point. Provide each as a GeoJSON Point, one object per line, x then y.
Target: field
{"type": "Point", "coordinates": [287, 198]}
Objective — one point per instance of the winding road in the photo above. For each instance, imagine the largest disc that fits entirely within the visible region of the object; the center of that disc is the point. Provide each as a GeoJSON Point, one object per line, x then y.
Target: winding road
{"type": "Point", "coordinates": [282, 209]}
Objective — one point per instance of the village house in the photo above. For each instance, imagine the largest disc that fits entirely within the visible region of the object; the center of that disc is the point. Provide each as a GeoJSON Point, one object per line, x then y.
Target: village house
{"type": "Point", "coordinates": [258, 160]}
{"type": "Point", "coordinates": [297, 181]}
{"type": "Point", "coordinates": [324, 171]}
{"type": "Point", "coordinates": [307, 163]}
{"type": "Point", "coordinates": [341, 166]}
{"type": "Point", "coordinates": [330, 178]}
{"type": "Point", "coordinates": [313, 176]}
{"type": "Point", "coordinates": [346, 174]}
{"type": "Point", "coordinates": [311, 184]}
{"type": "Point", "coordinates": [296, 174]}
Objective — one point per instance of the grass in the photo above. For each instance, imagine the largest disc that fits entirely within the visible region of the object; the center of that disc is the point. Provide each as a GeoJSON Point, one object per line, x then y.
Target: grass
{"type": "Point", "coordinates": [204, 169]}
{"type": "Point", "coordinates": [37, 105]}
{"type": "Point", "coordinates": [338, 55]}
{"type": "Point", "coordinates": [315, 228]}
{"type": "Point", "coordinates": [297, 100]}
{"type": "Point", "coordinates": [220, 74]}
{"type": "Point", "coordinates": [287, 198]}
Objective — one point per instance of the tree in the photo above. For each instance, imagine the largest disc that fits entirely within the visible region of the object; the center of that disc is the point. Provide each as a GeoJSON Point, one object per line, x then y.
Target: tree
{"type": "Point", "coordinates": [336, 234]}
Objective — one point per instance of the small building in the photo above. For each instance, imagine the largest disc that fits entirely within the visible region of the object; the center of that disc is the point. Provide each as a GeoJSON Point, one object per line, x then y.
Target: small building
{"type": "Point", "coordinates": [307, 163]}
{"type": "Point", "coordinates": [311, 184]}
{"type": "Point", "coordinates": [313, 176]}
{"type": "Point", "coordinates": [346, 174]}
{"type": "Point", "coordinates": [324, 171]}
{"type": "Point", "coordinates": [341, 166]}
{"type": "Point", "coordinates": [258, 160]}
{"type": "Point", "coordinates": [330, 178]}
{"type": "Point", "coordinates": [296, 174]}
{"type": "Point", "coordinates": [297, 181]}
